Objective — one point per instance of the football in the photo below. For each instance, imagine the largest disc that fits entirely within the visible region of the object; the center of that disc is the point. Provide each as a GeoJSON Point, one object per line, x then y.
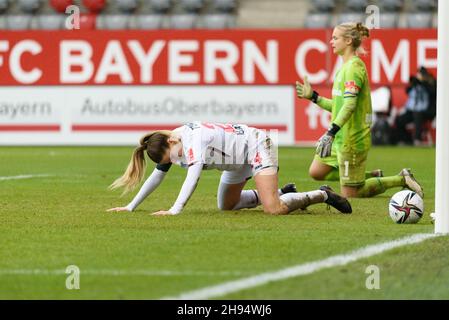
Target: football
{"type": "Point", "coordinates": [406, 207]}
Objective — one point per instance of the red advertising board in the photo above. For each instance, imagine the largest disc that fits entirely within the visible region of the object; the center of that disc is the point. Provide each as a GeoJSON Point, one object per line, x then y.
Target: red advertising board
{"type": "Point", "coordinates": [203, 58]}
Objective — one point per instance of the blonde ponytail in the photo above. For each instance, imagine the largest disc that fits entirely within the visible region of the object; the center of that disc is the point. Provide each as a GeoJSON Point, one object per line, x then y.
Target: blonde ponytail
{"type": "Point", "coordinates": [134, 172]}
{"type": "Point", "coordinates": [155, 144]}
{"type": "Point", "coordinates": [357, 32]}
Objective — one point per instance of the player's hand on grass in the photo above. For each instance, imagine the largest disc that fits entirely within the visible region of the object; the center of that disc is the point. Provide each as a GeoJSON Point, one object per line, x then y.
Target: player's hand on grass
{"type": "Point", "coordinates": [162, 213]}
{"type": "Point", "coordinates": [304, 91]}
{"type": "Point", "coordinates": [117, 209]}
{"type": "Point", "coordinates": [324, 147]}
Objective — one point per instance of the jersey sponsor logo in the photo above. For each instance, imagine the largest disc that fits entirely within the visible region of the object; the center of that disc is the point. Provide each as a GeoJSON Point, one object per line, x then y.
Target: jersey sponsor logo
{"type": "Point", "coordinates": [336, 92]}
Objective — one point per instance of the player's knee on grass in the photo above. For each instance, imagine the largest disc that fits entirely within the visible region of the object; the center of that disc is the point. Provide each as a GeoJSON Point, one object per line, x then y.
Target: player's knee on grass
{"type": "Point", "coordinates": [221, 200]}
{"type": "Point", "coordinates": [225, 207]}
{"type": "Point", "coordinates": [223, 204]}
{"type": "Point", "coordinates": [228, 195]}
{"type": "Point", "coordinates": [220, 206]}
{"type": "Point", "coordinates": [316, 174]}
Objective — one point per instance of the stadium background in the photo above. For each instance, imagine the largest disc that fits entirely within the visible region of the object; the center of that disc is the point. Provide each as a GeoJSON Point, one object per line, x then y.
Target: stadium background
{"type": "Point", "coordinates": [88, 87]}
{"type": "Point", "coordinates": [135, 66]}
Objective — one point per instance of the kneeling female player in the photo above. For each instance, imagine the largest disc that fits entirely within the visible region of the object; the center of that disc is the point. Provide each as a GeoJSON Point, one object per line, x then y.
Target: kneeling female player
{"type": "Point", "coordinates": [241, 152]}
{"type": "Point", "coordinates": [342, 151]}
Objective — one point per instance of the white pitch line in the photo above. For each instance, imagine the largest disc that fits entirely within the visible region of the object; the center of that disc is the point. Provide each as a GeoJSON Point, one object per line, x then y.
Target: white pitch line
{"type": "Point", "coordinates": [226, 288]}
{"type": "Point", "coordinates": [24, 176]}
{"type": "Point", "coordinates": [167, 273]}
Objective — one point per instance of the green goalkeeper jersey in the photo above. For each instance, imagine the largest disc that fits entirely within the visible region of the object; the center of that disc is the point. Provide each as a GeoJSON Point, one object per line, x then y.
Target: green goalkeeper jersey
{"type": "Point", "coordinates": [351, 107]}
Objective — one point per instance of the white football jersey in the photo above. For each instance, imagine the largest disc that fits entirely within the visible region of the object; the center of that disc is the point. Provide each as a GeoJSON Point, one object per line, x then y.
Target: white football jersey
{"type": "Point", "coordinates": [215, 145]}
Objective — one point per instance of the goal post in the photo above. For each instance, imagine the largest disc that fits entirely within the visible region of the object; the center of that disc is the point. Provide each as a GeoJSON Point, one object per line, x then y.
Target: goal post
{"type": "Point", "coordinates": [442, 122]}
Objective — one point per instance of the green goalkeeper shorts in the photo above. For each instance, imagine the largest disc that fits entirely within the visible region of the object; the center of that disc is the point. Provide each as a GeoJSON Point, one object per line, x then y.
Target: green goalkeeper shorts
{"type": "Point", "coordinates": [330, 161]}
{"type": "Point", "coordinates": [352, 167]}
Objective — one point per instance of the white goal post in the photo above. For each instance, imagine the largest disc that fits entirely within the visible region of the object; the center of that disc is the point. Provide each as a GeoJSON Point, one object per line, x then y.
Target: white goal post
{"type": "Point", "coordinates": [442, 122]}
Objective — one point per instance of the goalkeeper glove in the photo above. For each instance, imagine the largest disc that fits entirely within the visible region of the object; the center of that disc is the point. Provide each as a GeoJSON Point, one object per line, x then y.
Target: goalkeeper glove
{"type": "Point", "coordinates": [305, 91]}
{"type": "Point", "coordinates": [324, 147]}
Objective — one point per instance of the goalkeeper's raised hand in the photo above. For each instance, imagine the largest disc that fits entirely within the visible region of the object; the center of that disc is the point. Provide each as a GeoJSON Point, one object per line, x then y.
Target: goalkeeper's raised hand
{"type": "Point", "coordinates": [304, 91]}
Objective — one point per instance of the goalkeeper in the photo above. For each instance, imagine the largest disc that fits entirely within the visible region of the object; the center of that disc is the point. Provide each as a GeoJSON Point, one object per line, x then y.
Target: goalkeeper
{"type": "Point", "coordinates": [343, 150]}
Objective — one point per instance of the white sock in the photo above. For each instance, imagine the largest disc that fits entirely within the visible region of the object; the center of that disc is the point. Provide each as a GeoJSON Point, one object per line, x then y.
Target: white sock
{"type": "Point", "coordinates": [250, 199]}
{"type": "Point", "coordinates": [301, 200]}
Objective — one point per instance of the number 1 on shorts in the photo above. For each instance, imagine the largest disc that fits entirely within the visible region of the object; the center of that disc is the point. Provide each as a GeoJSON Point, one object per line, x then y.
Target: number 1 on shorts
{"type": "Point", "coordinates": [346, 168]}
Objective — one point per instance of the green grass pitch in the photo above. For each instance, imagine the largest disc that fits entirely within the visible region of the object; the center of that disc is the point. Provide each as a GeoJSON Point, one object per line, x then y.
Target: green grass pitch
{"type": "Point", "coordinates": [50, 222]}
